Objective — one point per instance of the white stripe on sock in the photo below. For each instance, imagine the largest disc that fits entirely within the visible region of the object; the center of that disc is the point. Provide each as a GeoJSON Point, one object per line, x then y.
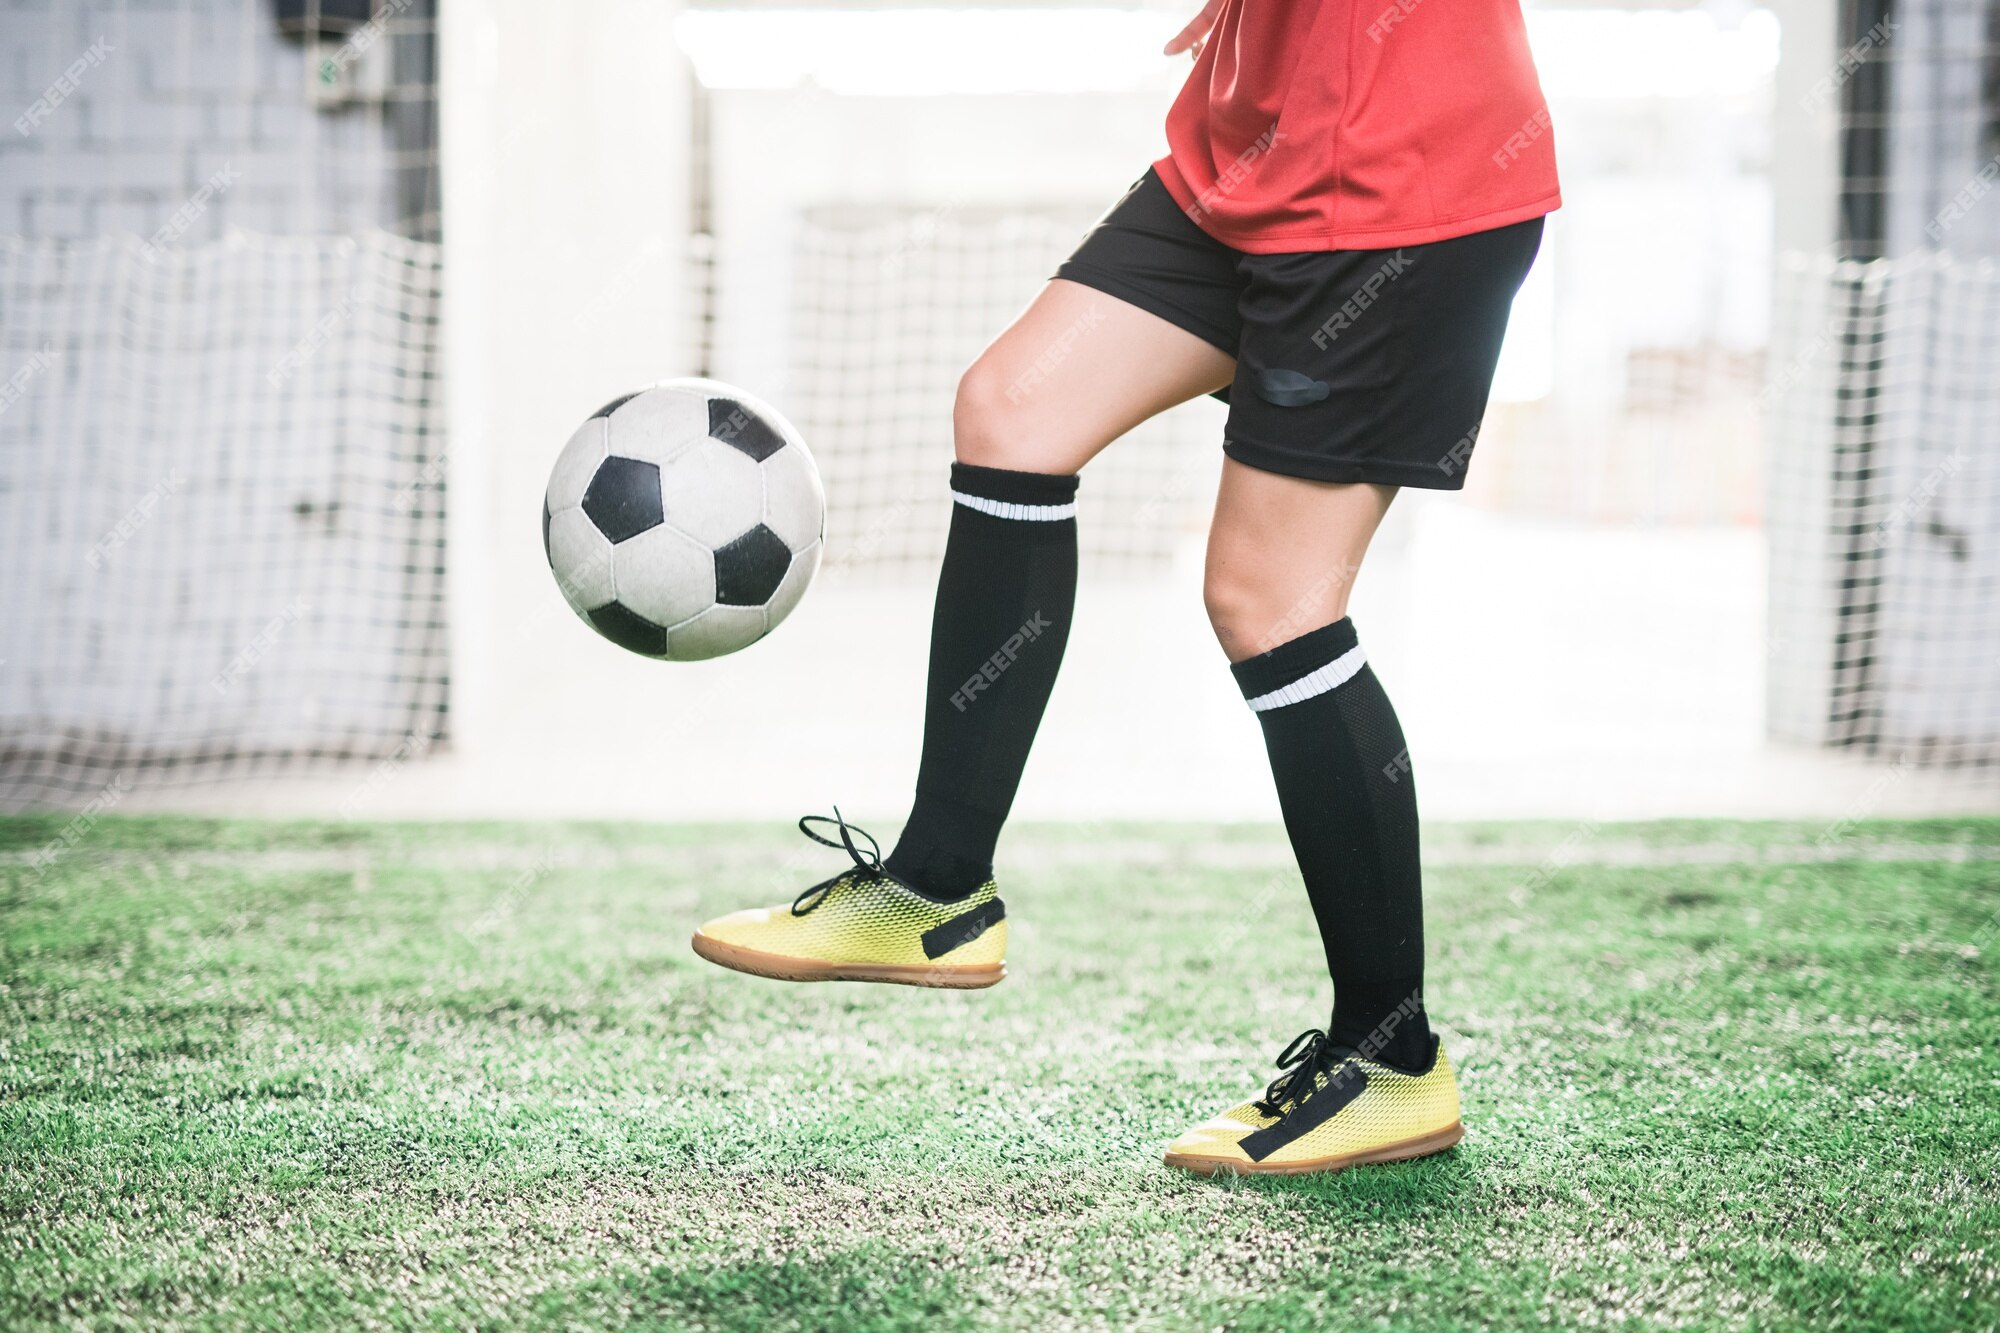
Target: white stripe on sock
{"type": "Point", "coordinates": [1335, 673]}
{"type": "Point", "coordinates": [1008, 509]}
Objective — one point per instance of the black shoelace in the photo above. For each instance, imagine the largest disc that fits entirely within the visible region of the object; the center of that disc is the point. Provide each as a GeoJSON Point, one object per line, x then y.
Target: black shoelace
{"type": "Point", "coordinates": [1303, 1060]}
{"type": "Point", "coordinates": [868, 864]}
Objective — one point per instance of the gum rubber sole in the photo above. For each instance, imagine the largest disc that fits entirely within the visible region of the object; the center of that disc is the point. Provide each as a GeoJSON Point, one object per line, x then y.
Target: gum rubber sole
{"type": "Point", "coordinates": [1421, 1146]}
{"type": "Point", "coordinates": [760, 964]}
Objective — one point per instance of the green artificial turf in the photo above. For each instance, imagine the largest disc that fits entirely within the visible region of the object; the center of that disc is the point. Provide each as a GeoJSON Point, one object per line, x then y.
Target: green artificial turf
{"type": "Point", "coordinates": [469, 1076]}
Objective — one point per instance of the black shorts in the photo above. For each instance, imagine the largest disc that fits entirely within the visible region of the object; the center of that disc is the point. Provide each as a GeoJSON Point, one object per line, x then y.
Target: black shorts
{"type": "Point", "coordinates": [1351, 365]}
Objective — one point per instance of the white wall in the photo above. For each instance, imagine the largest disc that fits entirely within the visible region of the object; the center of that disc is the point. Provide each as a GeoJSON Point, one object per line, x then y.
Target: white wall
{"type": "Point", "coordinates": [565, 147]}
{"type": "Point", "coordinates": [1800, 378]}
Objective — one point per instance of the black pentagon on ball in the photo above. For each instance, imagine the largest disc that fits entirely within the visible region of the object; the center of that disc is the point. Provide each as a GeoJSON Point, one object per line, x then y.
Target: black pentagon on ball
{"type": "Point", "coordinates": [547, 554]}
{"type": "Point", "coordinates": [740, 427]}
{"type": "Point", "coordinates": [623, 498]}
{"type": "Point", "coordinates": [629, 629]}
{"type": "Point", "coordinates": [749, 569]}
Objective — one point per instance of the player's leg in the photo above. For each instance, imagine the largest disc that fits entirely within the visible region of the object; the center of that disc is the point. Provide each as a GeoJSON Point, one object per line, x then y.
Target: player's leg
{"type": "Point", "coordinates": [1076, 371]}
{"type": "Point", "coordinates": [1361, 372]}
{"type": "Point", "coordinates": [1283, 554]}
{"type": "Point", "coordinates": [1141, 318]}
{"type": "Point", "coordinates": [1283, 557]}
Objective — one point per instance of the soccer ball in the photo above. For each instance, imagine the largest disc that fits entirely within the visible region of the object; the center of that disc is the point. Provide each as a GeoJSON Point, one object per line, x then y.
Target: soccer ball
{"type": "Point", "coordinates": [684, 521]}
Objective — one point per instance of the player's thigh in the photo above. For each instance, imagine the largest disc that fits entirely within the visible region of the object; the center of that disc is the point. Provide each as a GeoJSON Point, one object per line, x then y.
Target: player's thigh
{"type": "Point", "coordinates": [1283, 553]}
{"type": "Point", "coordinates": [1078, 369]}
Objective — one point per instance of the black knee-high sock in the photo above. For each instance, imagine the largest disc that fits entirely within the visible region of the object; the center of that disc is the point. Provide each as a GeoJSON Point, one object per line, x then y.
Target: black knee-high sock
{"type": "Point", "coordinates": [1004, 600]}
{"type": "Point", "coordinates": [1350, 807]}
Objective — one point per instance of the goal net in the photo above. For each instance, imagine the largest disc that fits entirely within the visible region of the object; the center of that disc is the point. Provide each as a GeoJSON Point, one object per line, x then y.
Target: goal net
{"type": "Point", "coordinates": [1884, 412]}
{"type": "Point", "coordinates": [888, 311]}
{"type": "Point", "coordinates": [223, 509]}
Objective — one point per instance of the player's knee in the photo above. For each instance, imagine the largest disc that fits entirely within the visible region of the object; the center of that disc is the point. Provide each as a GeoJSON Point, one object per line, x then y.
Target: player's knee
{"type": "Point", "coordinates": [986, 420]}
{"type": "Point", "coordinates": [1253, 608]}
{"type": "Point", "coordinates": [1236, 612]}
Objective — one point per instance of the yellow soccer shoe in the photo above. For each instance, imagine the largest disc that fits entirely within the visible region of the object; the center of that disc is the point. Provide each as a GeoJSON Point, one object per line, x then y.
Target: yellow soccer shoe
{"type": "Point", "coordinates": [1331, 1108]}
{"type": "Point", "coordinates": [865, 924]}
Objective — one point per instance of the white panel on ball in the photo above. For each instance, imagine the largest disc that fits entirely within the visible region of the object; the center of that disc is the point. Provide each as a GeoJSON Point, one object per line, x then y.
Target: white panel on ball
{"type": "Point", "coordinates": [793, 586]}
{"type": "Point", "coordinates": [664, 575]}
{"type": "Point", "coordinates": [716, 631]}
{"type": "Point", "coordinates": [712, 492]}
{"type": "Point", "coordinates": [794, 501]}
{"type": "Point", "coordinates": [576, 463]}
{"type": "Point", "coordinates": [657, 424]}
{"type": "Point", "coordinates": [580, 557]}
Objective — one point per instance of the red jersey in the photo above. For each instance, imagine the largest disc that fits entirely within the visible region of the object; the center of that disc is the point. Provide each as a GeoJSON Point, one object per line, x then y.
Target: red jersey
{"type": "Point", "coordinates": [1360, 125]}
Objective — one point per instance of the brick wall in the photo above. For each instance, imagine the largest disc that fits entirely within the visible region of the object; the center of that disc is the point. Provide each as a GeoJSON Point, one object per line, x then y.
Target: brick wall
{"type": "Point", "coordinates": [194, 116]}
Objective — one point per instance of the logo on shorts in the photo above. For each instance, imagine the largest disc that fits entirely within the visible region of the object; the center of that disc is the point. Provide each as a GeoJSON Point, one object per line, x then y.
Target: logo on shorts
{"type": "Point", "coordinates": [1288, 388]}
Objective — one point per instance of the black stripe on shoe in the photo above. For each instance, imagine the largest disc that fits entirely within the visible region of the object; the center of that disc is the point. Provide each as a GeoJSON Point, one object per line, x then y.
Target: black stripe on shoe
{"type": "Point", "coordinates": [963, 928]}
{"type": "Point", "coordinates": [1343, 1086]}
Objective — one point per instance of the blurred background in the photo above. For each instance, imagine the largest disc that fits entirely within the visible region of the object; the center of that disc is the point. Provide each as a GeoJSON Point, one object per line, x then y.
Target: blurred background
{"type": "Point", "coordinates": [299, 299]}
